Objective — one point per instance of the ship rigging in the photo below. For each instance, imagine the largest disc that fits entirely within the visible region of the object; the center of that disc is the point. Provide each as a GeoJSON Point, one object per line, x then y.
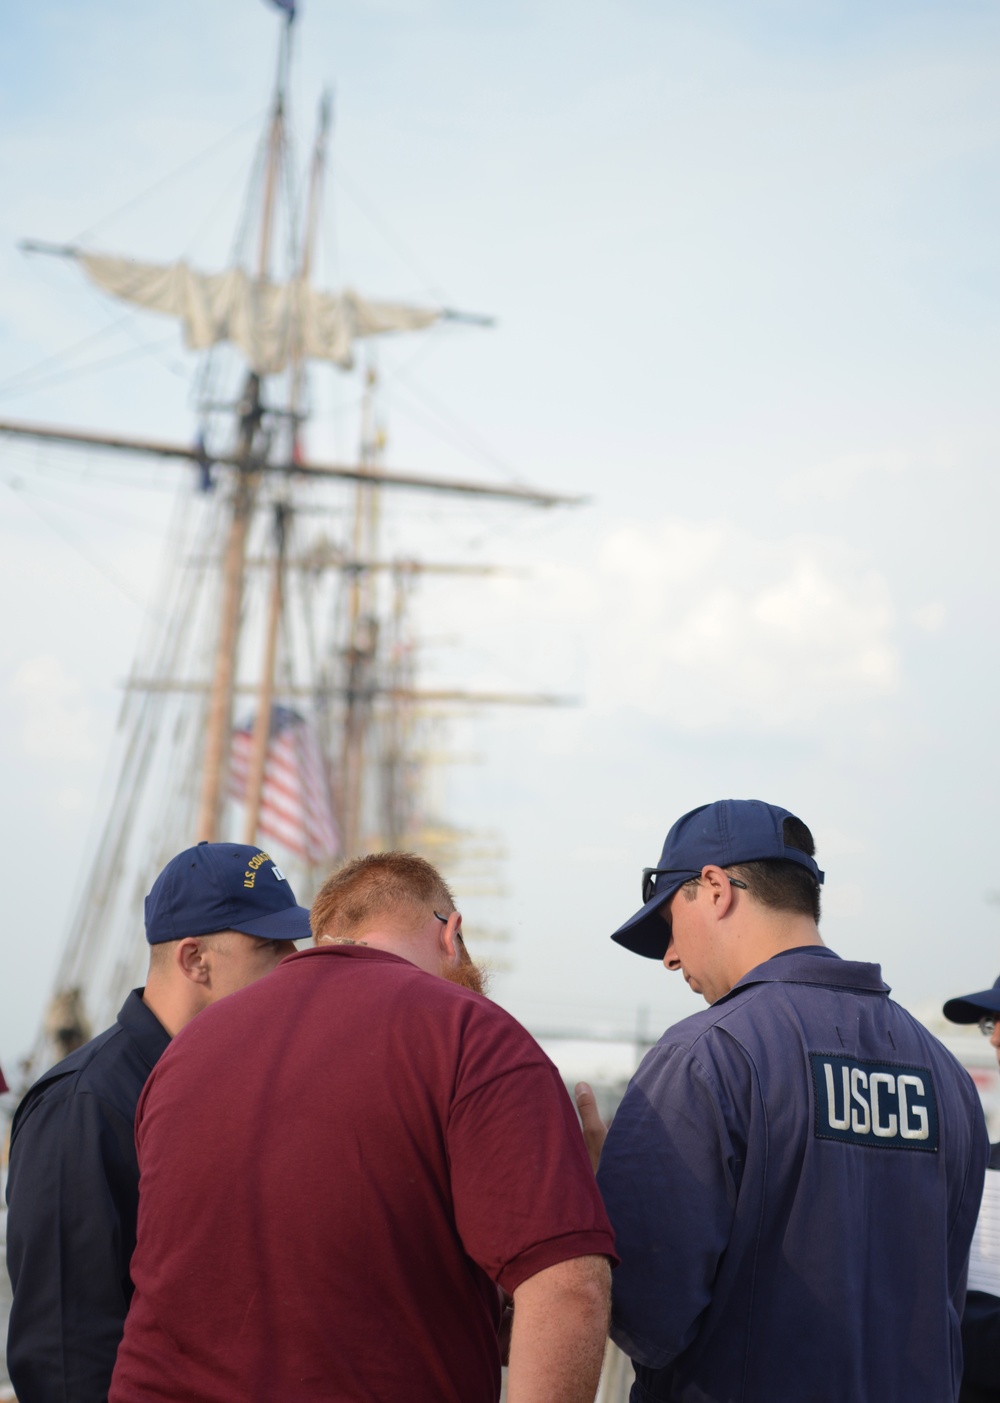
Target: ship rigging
{"type": "Point", "coordinates": [274, 697]}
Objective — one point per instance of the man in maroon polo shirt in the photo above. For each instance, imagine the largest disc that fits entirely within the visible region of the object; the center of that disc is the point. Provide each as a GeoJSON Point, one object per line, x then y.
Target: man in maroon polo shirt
{"type": "Point", "coordinates": [342, 1164]}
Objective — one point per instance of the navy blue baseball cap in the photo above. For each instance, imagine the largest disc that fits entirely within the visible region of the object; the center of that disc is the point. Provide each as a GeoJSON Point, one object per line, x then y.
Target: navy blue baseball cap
{"type": "Point", "coordinates": [720, 834]}
{"type": "Point", "coordinates": [223, 886]}
{"type": "Point", "coordinates": [971, 1007]}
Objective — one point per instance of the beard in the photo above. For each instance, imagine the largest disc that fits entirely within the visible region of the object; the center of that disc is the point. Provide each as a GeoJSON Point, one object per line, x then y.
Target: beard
{"type": "Point", "coordinates": [466, 975]}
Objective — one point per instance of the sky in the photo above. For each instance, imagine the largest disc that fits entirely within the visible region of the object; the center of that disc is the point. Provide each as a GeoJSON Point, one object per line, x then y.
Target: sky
{"type": "Point", "coordinates": [744, 266]}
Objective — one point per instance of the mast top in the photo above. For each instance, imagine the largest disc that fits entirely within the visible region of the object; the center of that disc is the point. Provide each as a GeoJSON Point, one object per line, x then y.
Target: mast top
{"type": "Point", "coordinates": [289, 7]}
{"type": "Point", "coordinates": [284, 55]}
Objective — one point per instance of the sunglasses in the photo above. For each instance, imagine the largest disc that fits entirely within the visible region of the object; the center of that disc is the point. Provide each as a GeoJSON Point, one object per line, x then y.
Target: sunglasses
{"type": "Point", "coordinates": [650, 874]}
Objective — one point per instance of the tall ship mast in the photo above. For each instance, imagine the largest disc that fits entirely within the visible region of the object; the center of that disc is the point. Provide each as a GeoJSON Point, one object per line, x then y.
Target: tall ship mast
{"type": "Point", "coordinates": [274, 697]}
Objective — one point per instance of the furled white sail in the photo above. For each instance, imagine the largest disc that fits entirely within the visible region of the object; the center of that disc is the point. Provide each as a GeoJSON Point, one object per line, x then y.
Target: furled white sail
{"type": "Point", "coordinates": [271, 323]}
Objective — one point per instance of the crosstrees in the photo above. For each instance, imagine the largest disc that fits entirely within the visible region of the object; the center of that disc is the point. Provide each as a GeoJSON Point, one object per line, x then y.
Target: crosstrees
{"type": "Point", "coordinates": [380, 477]}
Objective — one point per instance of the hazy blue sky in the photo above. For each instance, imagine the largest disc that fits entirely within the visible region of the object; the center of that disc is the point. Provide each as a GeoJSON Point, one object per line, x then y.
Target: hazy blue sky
{"type": "Point", "coordinates": [744, 262]}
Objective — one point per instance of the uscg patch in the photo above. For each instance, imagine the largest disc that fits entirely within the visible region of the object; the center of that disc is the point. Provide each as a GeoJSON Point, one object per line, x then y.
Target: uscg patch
{"type": "Point", "coordinates": [882, 1104]}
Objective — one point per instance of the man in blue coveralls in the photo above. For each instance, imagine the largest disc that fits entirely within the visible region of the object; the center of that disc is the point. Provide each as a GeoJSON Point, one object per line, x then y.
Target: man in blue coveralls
{"type": "Point", "coordinates": [218, 917]}
{"type": "Point", "coordinates": [794, 1173]}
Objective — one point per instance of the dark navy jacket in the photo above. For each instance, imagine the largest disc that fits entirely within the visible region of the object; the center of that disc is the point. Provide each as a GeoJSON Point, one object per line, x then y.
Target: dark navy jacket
{"type": "Point", "coordinates": [72, 1194]}
{"type": "Point", "coordinates": [793, 1178]}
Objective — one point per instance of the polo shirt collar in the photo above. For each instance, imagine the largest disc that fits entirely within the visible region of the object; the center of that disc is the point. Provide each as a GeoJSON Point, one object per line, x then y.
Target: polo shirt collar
{"type": "Point", "coordinates": [349, 952]}
{"type": "Point", "coordinates": [144, 1028]}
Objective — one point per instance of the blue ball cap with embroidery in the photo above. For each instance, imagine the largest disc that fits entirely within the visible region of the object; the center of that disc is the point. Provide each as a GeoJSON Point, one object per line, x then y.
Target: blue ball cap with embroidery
{"type": "Point", "coordinates": [719, 834]}
{"type": "Point", "coordinates": [223, 886]}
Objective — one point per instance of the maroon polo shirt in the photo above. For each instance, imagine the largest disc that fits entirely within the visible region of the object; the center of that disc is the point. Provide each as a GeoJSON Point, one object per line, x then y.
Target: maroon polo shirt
{"type": "Point", "coordinates": [337, 1164]}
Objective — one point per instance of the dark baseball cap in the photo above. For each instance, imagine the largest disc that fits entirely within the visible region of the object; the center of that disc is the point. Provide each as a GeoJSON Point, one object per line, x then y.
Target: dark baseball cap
{"type": "Point", "coordinates": [971, 1007]}
{"type": "Point", "coordinates": [719, 834]}
{"type": "Point", "coordinates": [223, 886]}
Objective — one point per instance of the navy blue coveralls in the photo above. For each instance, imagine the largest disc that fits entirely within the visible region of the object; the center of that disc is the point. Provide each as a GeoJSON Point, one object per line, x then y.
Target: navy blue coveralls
{"type": "Point", "coordinates": [794, 1177]}
{"type": "Point", "coordinates": [72, 1194]}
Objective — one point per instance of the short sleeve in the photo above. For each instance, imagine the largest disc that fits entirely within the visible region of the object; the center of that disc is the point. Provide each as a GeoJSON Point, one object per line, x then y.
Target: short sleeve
{"type": "Point", "coordinates": [523, 1189]}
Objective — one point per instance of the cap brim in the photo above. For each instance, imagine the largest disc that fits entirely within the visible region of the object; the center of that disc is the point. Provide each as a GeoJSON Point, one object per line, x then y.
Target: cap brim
{"type": "Point", "coordinates": [646, 933]}
{"type": "Point", "coordinates": [971, 1007]}
{"type": "Point", "coordinates": [291, 923]}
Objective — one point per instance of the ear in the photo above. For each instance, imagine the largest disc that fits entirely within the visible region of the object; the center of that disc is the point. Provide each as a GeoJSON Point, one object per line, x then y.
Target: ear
{"type": "Point", "coordinates": [193, 960]}
{"type": "Point", "coordinates": [716, 885]}
{"type": "Point", "coordinates": [450, 939]}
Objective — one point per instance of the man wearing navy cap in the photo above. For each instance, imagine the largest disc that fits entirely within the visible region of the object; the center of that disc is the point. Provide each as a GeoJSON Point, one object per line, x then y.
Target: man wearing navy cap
{"type": "Point", "coordinates": [981, 1320]}
{"type": "Point", "coordinates": [218, 917]}
{"type": "Point", "coordinates": [328, 1215]}
{"type": "Point", "coordinates": [794, 1173]}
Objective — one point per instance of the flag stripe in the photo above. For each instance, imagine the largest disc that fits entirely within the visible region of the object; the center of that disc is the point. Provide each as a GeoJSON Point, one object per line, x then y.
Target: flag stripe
{"type": "Point", "coordinates": [295, 808]}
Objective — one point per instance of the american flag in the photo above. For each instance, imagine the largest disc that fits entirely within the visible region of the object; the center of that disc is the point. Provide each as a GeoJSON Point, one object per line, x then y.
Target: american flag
{"type": "Point", "coordinates": [295, 808]}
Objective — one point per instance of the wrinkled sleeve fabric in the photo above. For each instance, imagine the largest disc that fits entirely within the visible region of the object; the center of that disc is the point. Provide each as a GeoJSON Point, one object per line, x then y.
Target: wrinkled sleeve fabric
{"type": "Point", "coordinates": [669, 1174]}
{"type": "Point", "coordinates": [70, 1234]}
{"type": "Point", "coordinates": [523, 1189]}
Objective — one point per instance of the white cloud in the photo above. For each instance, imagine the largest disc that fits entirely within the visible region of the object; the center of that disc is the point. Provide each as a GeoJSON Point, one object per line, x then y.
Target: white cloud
{"type": "Point", "coordinates": [705, 625]}
{"type": "Point", "coordinates": [592, 855]}
{"type": "Point", "coordinates": [714, 626]}
{"type": "Point", "coordinates": [843, 902]}
{"type": "Point", "coordinates": [836, 843]}
{"type": "Point", "coordinates": [837, 479]}
{"type": "Point", "coordinates": [930, 617]}
{"type": "Point", "coordinates": [56, 725]}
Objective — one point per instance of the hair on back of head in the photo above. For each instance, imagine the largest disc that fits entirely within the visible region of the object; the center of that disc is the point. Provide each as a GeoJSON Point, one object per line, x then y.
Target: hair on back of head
{"type": "Point", "coordinates": [779, 883]}
{"type": "Point", "coordinates": [161, 955]}
{"type": "Point", "coordinates": [783, 884]}
{"type": "Point", "coordinates": [379, 884]}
